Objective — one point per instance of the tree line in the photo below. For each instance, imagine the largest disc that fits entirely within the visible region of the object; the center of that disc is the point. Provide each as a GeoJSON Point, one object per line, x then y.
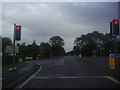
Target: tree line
{"type": "Point", "coordinates": [94, 43]}
{"type": "Point", "coordinates": [45, 50]}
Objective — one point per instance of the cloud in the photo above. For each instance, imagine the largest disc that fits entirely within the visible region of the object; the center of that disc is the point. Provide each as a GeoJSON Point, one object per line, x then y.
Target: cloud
{"type": "Point", "coordinates": [40, 21]}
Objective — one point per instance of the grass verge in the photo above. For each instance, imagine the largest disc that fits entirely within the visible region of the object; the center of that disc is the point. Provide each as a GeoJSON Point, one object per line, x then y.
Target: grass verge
{"type": "Point", "coordinates": [17, 65]}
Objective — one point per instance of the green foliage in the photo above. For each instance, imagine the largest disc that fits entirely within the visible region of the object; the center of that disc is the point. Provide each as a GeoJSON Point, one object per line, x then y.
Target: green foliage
{"type": "Point", "coordinates": [45, 49]}
{"type": "Point", "coordinates": [7, 60]}
{"type": "Point", "coordinates": [100, 42]}
{"type": "Point", "coordinates": [76, 50]}
{"type": "Point", "coordinates": [17, 65]}
{"type": "Point", "coordinates": [70, 53]}
{"type": "Point", "coordinates": [56, 46]}
{"type": "Point", "coordinates": [29, 50]}
{"type": "Point", "coordinates": [56, 40]}
{"type": "Point", "coordinates": [6, 42]}
{"type": "Point", "coordinates": [57, 50]}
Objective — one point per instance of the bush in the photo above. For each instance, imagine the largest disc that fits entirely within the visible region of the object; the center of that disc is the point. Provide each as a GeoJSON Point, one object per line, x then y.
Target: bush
{"type": "Point", "coordinates": [7, 60]}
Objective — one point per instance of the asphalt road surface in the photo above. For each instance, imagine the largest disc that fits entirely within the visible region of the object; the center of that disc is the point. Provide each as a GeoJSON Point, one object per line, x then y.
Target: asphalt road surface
{"type": "Point", "coordinates": [71, 72]}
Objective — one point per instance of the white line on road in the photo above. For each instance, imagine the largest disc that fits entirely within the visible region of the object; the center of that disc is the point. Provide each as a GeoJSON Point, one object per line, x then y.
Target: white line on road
{"type": "Point", "coordinates": [30, 78]}
{"type": "Point", "coordinates": [74, 77]}
{"type": "Point", "coordinates": [114, 80]}
{"type": "Point", "coordinates": [68, 77]}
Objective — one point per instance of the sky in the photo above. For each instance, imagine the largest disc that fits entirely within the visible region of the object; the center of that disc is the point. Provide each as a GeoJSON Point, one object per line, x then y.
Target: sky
{"type": "Point", "coordinates": [42, 20]}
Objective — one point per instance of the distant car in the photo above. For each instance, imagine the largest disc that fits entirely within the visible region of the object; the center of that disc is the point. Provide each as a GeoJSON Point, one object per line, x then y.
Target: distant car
{"type": "Point", "coordinates": [28, 58]}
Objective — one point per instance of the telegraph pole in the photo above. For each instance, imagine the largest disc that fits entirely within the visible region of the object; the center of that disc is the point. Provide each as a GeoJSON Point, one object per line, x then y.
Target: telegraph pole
{"type": "Point", "coordinates": [14, 47]}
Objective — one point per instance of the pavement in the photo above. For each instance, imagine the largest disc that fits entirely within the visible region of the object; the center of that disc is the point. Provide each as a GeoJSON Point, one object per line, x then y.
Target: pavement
{"type": "Point", "coordinates": [71, 72]}
{"type": "Point", "coordinates": [14, 78]}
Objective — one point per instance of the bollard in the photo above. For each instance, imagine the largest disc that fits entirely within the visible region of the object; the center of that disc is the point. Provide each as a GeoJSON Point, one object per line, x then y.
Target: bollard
{"type": "Point", "coordinates": [94, 56]}
{"type": "Point", "coordinates": [112, 61]}
{"type": "Point", "coordinates": [80, 56]}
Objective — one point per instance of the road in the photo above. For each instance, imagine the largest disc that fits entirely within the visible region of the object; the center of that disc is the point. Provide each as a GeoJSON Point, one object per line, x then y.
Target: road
{"type": "Point", "coordinates": [71, 72]}
{"type": "Point", "coordinates": [12, 78]}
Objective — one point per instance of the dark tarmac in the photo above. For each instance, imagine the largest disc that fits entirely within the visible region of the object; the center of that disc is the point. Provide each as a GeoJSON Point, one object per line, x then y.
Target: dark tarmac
{"type": "Point", "coordinates": [13, 78]}
{"type": "Point", "coordinates": [71, 72]}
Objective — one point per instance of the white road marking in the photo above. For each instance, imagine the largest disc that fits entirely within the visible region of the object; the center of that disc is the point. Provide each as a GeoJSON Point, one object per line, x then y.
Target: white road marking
{"type": "Point", "coordinates": [114, 80]}
{"type": "Point", "coordinates": [33, 77]}
{"type": "Point", "coordinates": [75, 77]}
{"type": "Point", "coordinates": [30, 78]}
{"type": "Point", "coordinates": [108, 77]}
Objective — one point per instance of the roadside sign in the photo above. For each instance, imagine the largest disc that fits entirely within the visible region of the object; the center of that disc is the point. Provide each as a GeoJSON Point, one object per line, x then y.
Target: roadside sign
{"type": "Point", "coordinates": [28, 58]}
{"type": "Point", "coordinates": [80, 56]}
{"type": "Point", "coordinates": [112, 61]}
{"type": "Point", "coordinates": [112, 56]}
{"type": "Point", "coordinates": [9, 49]}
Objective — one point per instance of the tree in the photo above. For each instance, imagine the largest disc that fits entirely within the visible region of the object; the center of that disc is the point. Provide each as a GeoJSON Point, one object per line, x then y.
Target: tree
{"type": "Point", "coordinates": [56, 46]}
{"type": "Point", "coordinates": [57, 50]}
{"type": "Point", "coordinates": [70, 53]}
{"type": "Point", "coordinates": [22, 50]}
{"type": "Point", "coordinates": [108, 45]}
{"type": "Point", "coordinates": [34, 42]}
{"type": "Point", "coordinates": [56, 40]}
{"type": "Point", "coordinates": [102, 43]}
{"type": "Point", "coordinates": [6, 41]}
{"type": "Point", "coordinates": [76, 50]}
{"type": "Point", "coordinates": [45, 49]}
{"type": "Point", "coordinates": [89, 42]}
{"type": "Point", "coordinates": [30, 50]}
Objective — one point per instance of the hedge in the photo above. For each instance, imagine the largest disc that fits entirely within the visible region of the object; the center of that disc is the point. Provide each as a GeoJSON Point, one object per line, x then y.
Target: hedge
{"type": "Point", "coordinates": [7, 60]}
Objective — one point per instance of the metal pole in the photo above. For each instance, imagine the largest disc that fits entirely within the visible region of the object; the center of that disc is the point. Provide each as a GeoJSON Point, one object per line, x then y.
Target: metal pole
{"type": "Point", "coordinates": [119, 16]}
{"type": "Point", "coordinates": [115, 45]}
{"type": "Point", "coordinates": [14, 48]}
{"type": "Point", "coordinates": [115, 50]}
{"type": "Point", "coordinates": [118, 62]}
{"type": "Point", "coordinates": [119, 13]}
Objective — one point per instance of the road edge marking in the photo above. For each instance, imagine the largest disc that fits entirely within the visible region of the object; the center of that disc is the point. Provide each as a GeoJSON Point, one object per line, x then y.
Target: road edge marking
{"type": "Point", "coordinates": [30, 77]}
{"type": "Point", "coordinates": [114, 80]}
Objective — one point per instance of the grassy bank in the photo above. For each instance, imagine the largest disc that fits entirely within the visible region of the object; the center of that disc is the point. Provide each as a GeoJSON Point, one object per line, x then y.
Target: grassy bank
{"type": "Point", "coordinates": [17, 65]}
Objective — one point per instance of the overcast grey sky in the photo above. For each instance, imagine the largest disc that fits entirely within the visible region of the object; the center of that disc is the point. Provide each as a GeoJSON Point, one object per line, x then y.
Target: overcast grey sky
{"type": "Point", "coordinates": [40, 21]}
